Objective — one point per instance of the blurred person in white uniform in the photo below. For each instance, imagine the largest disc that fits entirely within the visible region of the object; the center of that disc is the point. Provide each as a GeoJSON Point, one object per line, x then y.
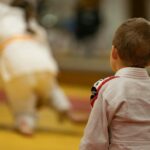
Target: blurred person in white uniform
{"type": "Point", "coordinates": [27, 67]}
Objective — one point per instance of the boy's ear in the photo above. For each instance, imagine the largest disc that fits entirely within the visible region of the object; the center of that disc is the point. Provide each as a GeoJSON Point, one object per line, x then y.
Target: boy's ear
{"type": "Point", "coordinates": [114, 53]}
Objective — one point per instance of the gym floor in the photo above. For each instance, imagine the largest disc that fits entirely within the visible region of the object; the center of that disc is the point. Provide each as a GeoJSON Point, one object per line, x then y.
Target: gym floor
{"type": "Point", "coordinates": [50, 133]}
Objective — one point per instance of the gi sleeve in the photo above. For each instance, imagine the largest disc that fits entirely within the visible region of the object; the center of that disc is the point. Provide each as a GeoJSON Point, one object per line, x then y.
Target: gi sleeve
{"type": "Point", "coordinates": [96, 132]}
{"type": "Point", "coordinates": [96, 135]}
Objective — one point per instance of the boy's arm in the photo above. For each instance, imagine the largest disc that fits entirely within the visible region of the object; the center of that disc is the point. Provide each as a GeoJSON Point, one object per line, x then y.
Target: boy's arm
{"type": "Point", "coordinates": [96, 132]}
{"type": "Point", "coordinates": [96, 135]}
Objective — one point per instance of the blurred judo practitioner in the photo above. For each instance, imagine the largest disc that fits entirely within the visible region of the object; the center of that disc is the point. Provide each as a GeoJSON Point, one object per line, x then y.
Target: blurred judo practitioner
{"type": "Point", "coordinates": [27, 67]}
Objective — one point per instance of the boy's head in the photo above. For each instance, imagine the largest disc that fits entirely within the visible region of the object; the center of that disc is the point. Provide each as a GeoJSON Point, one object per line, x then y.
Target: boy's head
{"type": "Point", "coordinates": [131, 44]}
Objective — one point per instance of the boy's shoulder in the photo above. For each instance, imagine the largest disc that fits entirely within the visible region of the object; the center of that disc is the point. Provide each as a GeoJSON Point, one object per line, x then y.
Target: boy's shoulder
{"type": "Point", "coordinates": [98, 86]}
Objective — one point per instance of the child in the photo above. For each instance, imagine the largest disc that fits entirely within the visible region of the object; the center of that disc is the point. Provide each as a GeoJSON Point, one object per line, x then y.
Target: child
{"type": "Point", "coordinates": [120, 117]}
{"type": "Point", "coordinates": [28, 69]}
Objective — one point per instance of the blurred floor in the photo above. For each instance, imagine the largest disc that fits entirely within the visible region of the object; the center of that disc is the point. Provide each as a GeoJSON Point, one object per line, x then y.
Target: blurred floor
{"type": "Point", "coordinates": [50, 134]}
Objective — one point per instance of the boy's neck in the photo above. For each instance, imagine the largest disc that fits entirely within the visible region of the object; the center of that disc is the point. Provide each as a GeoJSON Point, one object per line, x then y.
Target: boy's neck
{"type": "Point", "coordinates": [119, 65]}
{"type": "Point", "coordinates": [123, 66]}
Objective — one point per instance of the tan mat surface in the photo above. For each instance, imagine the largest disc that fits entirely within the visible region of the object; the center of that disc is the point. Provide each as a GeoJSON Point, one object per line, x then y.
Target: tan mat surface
{"type": "Point", "coordinates": [50, 134]}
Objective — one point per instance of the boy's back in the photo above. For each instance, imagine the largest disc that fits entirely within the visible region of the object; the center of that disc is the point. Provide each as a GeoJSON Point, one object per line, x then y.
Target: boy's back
{"type": "Point", "coordinates": [120, 117]}
{"type": "Point", "coordinates": [128, 99]}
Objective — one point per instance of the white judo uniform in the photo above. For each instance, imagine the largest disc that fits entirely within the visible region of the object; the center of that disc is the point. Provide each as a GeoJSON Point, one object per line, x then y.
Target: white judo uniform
{"type": "Point", "coordinates": [27, 67]}
{"type": "Point", "coordinates": [120, 117]}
